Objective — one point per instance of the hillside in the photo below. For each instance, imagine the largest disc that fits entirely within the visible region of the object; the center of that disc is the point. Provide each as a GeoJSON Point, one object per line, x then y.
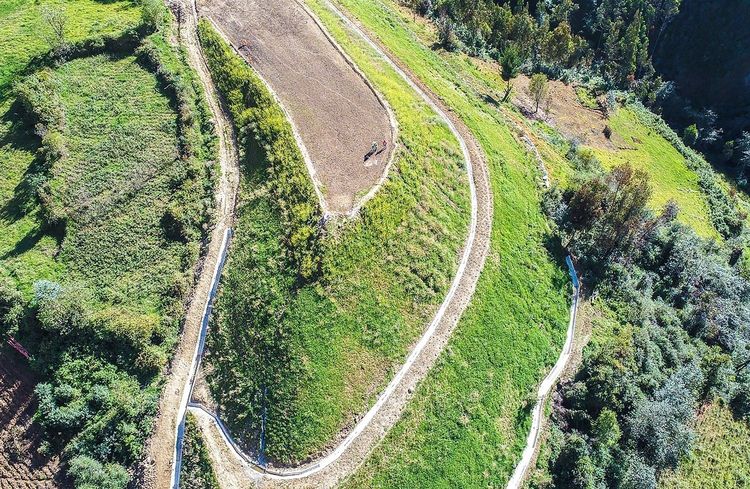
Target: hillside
{"type": "Point", "coordinates": [711, 70]}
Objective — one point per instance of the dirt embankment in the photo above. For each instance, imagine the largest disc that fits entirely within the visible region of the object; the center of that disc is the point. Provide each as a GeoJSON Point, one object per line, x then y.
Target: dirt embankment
{"type": "Point", "coordinates": [21, 465]}
{"type": "Point", "coordinates": [335, 113]}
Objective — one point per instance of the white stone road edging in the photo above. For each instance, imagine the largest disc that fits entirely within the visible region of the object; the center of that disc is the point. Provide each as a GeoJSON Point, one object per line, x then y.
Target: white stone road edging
{"type": "Point", "coordinates": [188, 390]}
{"type": "Point", "coordinates": [319, 465]}
{"type": "Point", "coordinates": [546, 386]}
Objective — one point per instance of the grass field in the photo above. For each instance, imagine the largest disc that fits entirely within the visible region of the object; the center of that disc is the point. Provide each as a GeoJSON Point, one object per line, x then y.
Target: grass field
{"type": "Point", "coordinates": [670, 177]}
{"type": "Point", "coordinates": [469, 418]}
{"type": "Point", "coordinates": [720, 459]}
{"type": "Point", "coordinates": [382, 277]}
{"type": "Point", "coordinates": [21, 38]}
{"type": "Point", "coordinates": [102, 229]}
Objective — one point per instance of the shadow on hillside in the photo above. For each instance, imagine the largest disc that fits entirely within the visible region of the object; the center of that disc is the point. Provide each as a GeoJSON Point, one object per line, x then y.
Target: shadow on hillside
{"type": "Point", "coordinates": [20, 138]}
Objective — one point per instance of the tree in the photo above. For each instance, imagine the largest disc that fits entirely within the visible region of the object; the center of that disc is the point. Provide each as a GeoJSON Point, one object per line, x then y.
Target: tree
{"type": "Point", "coordinates": [56, 20]}
{"type": "Point", "coordinates": [666, 10]}
{"type": "Point", "coordinates": [539, 89]}
{"type": "Point", "coordinates": [742, 154]}
{"type": "Point", "coordinates": [559, 45]}
{"type": "Point", "coordinates": [574, 467]}
{"type": "Point", "coordinates": [638, 474]}
{"type": "Point", "coordinates": [607, 214]}
{"type": "Point", "coordinates": [447, 33]}
{"type": "Point", "coordinates": [510, 67]}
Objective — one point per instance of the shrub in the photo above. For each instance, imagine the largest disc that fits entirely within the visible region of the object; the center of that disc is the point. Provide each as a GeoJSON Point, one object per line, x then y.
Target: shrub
{"type": "Point", "coordinates": [11, 307]}
{"type": "Point", "coordinates": [152, 13]}
{"type": "Point", "coordinates": [690, 135]}
{"type": "Point", "coordinates": [91, 474]}
{"type": "Point", "coordinates": [447, 33]}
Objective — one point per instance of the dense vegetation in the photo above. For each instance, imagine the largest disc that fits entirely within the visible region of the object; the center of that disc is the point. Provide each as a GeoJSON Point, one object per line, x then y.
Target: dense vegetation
{"type": "Point", "coordinates": [197, 471]}
{"type": "Point", "coordinates": [611, 44]}
{"type": "Point", "coordinates": [333, 306]}
{"type": "Point", "coordinates": [469, 417]}
{"type": "Point", "coordinates": [107, 194]}
{"type": "Point", "coordinates": [677, 335]}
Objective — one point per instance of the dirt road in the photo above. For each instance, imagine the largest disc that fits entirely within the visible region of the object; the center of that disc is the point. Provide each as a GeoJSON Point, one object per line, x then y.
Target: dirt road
{"type": "Point", "coordinates": [334, 111]}
{"type": "Point", "coordinates": [346, 457]}
{"type": "Point", "coordinates": [157, 472]}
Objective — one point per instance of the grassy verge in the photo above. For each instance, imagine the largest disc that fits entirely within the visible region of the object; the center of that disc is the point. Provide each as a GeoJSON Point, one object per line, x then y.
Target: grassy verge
{"type": "Point", "coordinates": [106, 193]}
{"type": "Point", "coordinates": [470, 417]}
{"type": "Point", "coordinates": [311, 342]}
{"type": "Point", "coordinates": [720, 458]}
{"type": "Point", "coordinates": [197, 471]}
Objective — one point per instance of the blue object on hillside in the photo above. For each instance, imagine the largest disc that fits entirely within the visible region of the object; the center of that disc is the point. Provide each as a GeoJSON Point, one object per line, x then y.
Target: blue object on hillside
{"type": "Point", "coordinates": [572, 270]}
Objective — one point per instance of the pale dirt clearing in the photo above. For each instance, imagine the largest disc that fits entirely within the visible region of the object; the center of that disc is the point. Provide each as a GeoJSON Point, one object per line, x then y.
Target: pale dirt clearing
{"type": "Point", "coordinates": [333, 109]}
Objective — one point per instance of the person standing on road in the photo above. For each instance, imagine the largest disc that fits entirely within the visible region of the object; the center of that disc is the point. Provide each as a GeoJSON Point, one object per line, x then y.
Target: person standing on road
{"type": "Point", "coordinates": [374, 147]}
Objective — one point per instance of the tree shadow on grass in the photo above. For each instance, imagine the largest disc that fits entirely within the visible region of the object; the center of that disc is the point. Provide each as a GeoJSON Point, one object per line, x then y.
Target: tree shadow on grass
{"type": "Point", "coordinates": [20, 138]}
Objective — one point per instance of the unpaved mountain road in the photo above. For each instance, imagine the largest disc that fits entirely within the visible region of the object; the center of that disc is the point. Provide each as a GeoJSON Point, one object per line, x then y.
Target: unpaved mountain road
{"type": "Point", "coordinates": [157, 471]}
{"type": "Point", "coordinates": [359, 442]}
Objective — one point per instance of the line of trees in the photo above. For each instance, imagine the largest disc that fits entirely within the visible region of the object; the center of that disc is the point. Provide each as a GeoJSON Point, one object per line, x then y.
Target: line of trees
{"type": "Point", "coordinates": [617, 37]}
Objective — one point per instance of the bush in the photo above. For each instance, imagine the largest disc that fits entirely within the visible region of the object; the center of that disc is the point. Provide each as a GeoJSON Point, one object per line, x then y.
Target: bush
{"type": "Point", "coordinates": [91, 474]}
{"type": "Point", "coordinates": [690, 135]}
{"type": "Point", "coordinates": [11, 307]}
{"type": "Point", "coordinates": [447, 34]}
{"type": "Point", "coordinates": [152, 13]}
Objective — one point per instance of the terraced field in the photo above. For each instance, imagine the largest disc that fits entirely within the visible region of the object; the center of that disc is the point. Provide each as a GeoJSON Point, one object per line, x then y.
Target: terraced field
{"type": "Point", "coordinates": [21, 466]}
{"type": "Point", "coordinates": [106, 190]}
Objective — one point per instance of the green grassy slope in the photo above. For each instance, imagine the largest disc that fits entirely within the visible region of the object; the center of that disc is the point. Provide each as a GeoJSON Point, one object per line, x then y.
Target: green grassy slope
{"type": "Point", "coordinates": [101, 224]}
{"type": "Point", "coordinates": [382, 276]}
{"type": "Point", "coordinates": [468, 420]}
{"type": "Point", "coordinates": [720, 459]}
{"type": "Point", "coordinates": [21, 38]}
{"type": "Point", "coordinates": [117, 181]}
{"type": "Point", "coordinates": [670, 177]}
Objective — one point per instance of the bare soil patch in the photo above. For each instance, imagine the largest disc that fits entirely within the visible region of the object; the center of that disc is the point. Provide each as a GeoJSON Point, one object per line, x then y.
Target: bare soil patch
{"type": "Point", "coordinates": [567, 114]}
{"type": "Point", "coordinates": [21, 466]}
{"type": "Point", "coordinates": [336, 114]}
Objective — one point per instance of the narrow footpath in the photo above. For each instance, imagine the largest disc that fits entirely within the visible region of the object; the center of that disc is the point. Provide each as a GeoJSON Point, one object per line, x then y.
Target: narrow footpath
{"type": "Point", "coordinates": [161, 453]}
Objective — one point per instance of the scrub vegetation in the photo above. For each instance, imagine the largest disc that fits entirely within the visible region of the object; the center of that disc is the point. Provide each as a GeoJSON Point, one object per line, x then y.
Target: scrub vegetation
{"type": "Point", "coordinates": [333, 306]}
{"type": "Point", "coordinates": [677, 336]}
{"type": "Point", "coordinates": [106, 159]}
